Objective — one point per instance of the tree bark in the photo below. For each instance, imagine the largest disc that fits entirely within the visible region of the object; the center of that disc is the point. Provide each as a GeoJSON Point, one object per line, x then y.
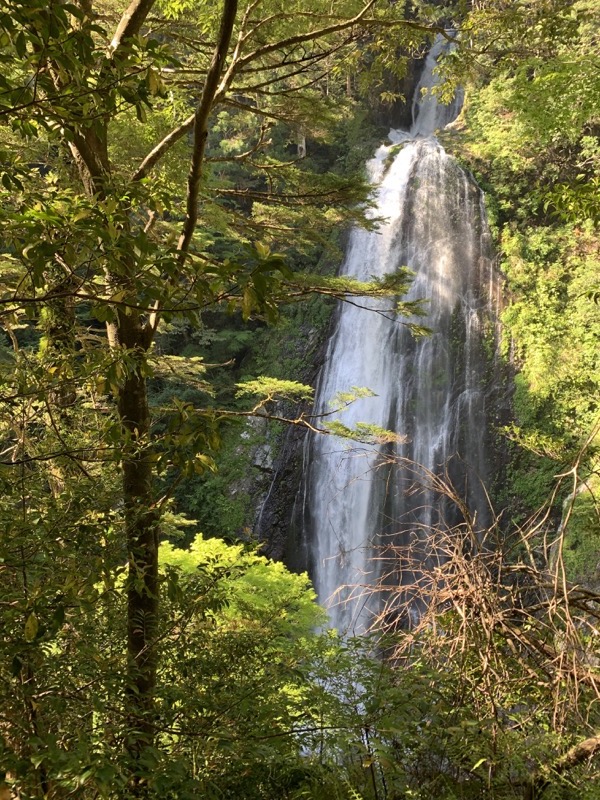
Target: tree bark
{"type": "Point", "coordinates": [131, 22]}
{"type": "Point", "coordinates": [142, 547]}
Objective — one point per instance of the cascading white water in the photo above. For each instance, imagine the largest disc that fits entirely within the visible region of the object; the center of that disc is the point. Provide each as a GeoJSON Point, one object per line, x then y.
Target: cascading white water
{"type": "Point", "coordinates": [430, 389]}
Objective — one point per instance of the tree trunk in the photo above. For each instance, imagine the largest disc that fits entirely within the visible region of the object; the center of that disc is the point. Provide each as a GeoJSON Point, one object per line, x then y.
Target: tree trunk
{"type": "Point", "coordinates": [129, 333]}
{"type": "Point", "coordinates": [132, 334]}
{"type": "Point", "coordinates": [142, 547]}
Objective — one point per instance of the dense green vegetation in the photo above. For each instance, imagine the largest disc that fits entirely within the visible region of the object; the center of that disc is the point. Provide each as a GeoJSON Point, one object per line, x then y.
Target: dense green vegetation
{"type": "Point", "coordinates": [158, 212]}
{"type": "Point", "coordinates": [530, 134]}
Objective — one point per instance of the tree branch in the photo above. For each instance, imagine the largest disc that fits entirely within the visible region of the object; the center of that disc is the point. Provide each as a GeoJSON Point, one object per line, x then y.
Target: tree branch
{"type": "Point", "coordinates": [300, 38]}
{"type": "Point", "coordinates": [161, 148]}
{"type": "Point", "coordinates": [217, 92]}
{"type": "Point", "coordinates": [580, 752]}
{"type": "Point", "coordinates": [200, 123]}
{"type": "Point", "coordinates": [131, 22]}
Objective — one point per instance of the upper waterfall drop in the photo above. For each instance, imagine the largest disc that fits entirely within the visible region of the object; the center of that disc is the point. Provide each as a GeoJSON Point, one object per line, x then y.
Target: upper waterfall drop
{"type": "Point", "coordinates": [431, 390]}
{"type": "Point", "coordinates": [428, 114]}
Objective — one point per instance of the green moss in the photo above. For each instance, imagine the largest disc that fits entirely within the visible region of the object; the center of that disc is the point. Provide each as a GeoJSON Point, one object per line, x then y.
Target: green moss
{"type": "Point", "coordinates": [394, 150]}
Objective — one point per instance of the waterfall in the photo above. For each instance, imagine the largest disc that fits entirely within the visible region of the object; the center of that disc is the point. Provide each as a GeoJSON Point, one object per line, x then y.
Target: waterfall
{"type": "Point", "coordinates": [357, 498]}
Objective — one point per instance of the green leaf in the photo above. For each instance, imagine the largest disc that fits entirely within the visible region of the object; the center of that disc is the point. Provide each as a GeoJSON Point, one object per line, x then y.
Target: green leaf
{"type": "Point", "coordinates": [270, 388]}
{"type": "Point", "coordinates": [31, 627]}
{"type": "Point", "coordinates": [140, 112]}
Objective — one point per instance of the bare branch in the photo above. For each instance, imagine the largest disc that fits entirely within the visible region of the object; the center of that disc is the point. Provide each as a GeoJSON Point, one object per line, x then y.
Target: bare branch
{"type": "Point", "coordinates": [237, 65]}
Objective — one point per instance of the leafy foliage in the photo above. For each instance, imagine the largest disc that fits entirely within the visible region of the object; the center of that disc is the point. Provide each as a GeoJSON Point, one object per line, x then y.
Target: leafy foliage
{"type": "Point", "coordinates": [226, 688]}
{"type": "Point", "coordinates": [106, 111]}
{"type": "Point", "coordinates": [530, 134]}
